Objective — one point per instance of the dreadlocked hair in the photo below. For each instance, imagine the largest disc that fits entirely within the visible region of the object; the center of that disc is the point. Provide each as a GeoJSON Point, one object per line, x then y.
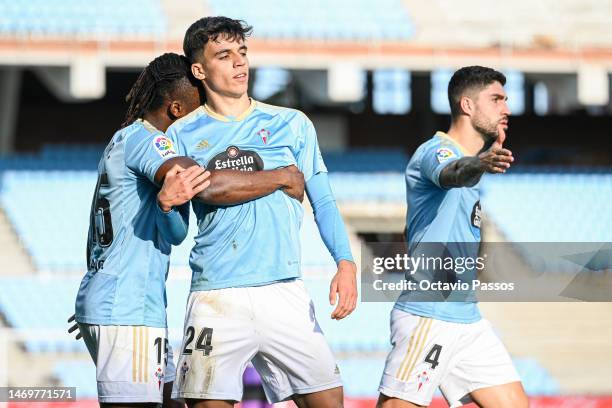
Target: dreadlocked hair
{"type": "Point", "coordinates": [155, 84]}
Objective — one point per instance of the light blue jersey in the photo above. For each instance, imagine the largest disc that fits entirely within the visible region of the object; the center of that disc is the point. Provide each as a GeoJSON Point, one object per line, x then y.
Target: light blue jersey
{"type": "Point", "coordinates": [127, 254]}
{"type": "Point", "coordinates": [258, 242]}
{"type": "Point", "coordinates": [442, 216]}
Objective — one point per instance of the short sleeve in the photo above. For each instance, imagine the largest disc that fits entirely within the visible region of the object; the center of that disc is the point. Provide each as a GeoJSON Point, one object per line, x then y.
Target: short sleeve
{"type": "Point", "coordinates": [308, 155]}
{"type": "Point", "coordinates": [435, 158]}
{"type": "Point", "coordinates": [145, 154]}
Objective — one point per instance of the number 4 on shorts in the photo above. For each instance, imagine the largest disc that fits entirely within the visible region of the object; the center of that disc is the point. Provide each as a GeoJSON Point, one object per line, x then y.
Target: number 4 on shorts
{"type": "Point", "coordinates": [433, 356]}
{"type": "Point", "coordinates": [203, 343]}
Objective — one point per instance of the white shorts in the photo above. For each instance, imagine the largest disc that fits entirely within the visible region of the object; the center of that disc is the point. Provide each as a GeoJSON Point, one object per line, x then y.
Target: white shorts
{"type": "Point", "coordinates": [132, 362]}
{"type": "Point", "coordinates": [274, 326]}
{"type": "Point", "coordinates": [428, 353]}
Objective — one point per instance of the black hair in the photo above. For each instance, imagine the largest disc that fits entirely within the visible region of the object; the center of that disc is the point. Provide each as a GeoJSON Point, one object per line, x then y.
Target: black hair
{"type": "Point", "coordinates": [156, 84]}
{"type": "Point", "coordinates": [209, 29]}
{"type": "Point", "coordinates": [469, 78]}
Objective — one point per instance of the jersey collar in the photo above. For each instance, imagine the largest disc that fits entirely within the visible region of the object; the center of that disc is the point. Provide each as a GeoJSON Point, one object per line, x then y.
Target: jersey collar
{"type": "Point", "coordinates": [446, 137]}
{"type": "Point", "coordinates": [148, 125]}
{"type": "Point", "coordinates": [238, 118]}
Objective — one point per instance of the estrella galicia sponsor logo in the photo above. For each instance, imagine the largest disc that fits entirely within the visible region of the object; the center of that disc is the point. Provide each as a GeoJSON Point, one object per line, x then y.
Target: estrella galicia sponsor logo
{"type": "Point", "coordinates": [235, 159]}
{"type": "Point", "coordinates": [476, 217]}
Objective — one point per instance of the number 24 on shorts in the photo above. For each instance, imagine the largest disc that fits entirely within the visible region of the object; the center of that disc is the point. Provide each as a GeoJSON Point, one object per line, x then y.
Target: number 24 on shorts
{"type": "Point", "coordinates": [203, 343]}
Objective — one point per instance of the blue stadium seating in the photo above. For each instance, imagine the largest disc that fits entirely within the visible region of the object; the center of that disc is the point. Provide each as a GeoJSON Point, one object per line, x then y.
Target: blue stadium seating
{"type": "Point", "coordinates": [43, 303]}
{"type": "Point", "coordinates": [80, 374]}
{"type": "Point", "coordinates": [536, 379]}
{"type": "Point", "coordinates": [365, 160]}
{"type": "Point", "coordinates": [369, 324]}
{"type": "Point", "coordinates": [551, 207]}
{"type": "Point", "coordinates": [134, 18]}
{"type": "Point", "coordinates": [54, 231]}
{"type": "Point", "coordinates": [358, 20]}
{"type": "Point", "coordinates": [368, 187]}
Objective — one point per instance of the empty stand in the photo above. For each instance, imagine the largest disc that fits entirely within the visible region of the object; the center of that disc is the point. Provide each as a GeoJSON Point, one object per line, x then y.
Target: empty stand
{"type": "Point", "coordinates": [320, 19]}
{"type": "Point", "coordinates": [41, 305]}
{"type": "Point", "coordinates": [82, 18]}
{"type": "Point", "coordinates": [544, 207]}
{"type": "Point", "coordinates": [50, 213]}
{"type": "Point", "coordinates": [366, 160]}
{"type": "Point", "coordinates": [80, 374]}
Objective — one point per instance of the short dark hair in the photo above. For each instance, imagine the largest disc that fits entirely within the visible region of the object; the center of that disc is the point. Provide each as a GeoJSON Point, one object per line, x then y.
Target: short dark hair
{"type": "Point", "coordinates": [209, 29]}
{"type": "Point", "coordinates": [470, 78]}
{"type": "Point", "coordinates": [157, 83]}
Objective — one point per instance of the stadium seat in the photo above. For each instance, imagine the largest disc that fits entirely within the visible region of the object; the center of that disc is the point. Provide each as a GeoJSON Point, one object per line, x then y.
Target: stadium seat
{"type": "Point", "coordinates": [41, 304]}
{"type": "Point", "coordinates": [366, 160]}
{"type": "Point", "coordinates": [82, 18]}
{"type": "Point", "coordinates": [542, 207]}
{"type": "Point", "coordinates": [80, 374]}
{"type": "Point", "coordinates": [356, 20]}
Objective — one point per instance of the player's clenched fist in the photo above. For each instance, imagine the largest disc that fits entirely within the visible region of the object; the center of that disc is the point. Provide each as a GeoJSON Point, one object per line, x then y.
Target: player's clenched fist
{"type": "Point", "coordinates": [181, 185]}
{"type": "Point", "coordinates": [294, 182]}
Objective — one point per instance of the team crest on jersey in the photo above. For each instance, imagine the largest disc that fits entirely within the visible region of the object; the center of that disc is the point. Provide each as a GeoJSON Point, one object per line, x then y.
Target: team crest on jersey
{"type": "Point", "coordinates": [443, 154]}
{"type": "Point", "coordinates": [422, 378]}
{"type": "Point", "coordinates": [160, 376]}
{"type": "Point", "coordinates": [164, 146]}
{"type": "Point", "coordinates": [235, 159]}
{"type": "Point", "coordinates": [265, 135]}
{"type": "Point", "coordinates": [476, 216]}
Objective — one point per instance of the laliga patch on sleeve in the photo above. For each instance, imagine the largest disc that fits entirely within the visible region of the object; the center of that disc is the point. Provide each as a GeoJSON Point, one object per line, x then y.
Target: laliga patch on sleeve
{"type": "Point", "coordinates": [164, 146]}
{"type": "Point", "coordinates": [443, 154]}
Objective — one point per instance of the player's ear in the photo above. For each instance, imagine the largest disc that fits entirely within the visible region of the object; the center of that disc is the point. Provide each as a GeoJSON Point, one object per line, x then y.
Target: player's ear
{"type": "Point", "coordinates": [176, 109]}
{"type": "Point", "coordinates": [198, 71]}
{"type": "Point", "coordinates": [467, 105]}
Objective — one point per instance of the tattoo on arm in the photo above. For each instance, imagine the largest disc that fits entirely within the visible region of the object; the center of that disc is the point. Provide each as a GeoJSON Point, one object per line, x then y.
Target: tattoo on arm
{"type": "Point", "coordinates": [465, 172]}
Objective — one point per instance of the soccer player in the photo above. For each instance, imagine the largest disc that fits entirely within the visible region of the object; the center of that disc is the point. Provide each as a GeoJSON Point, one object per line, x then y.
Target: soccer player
{"type": "Point", "coordinates": [447, 344]}
{"type": "Point", "coordinates": [120, 307]}
{"type": "Point", "coordinates": [247, 302]}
